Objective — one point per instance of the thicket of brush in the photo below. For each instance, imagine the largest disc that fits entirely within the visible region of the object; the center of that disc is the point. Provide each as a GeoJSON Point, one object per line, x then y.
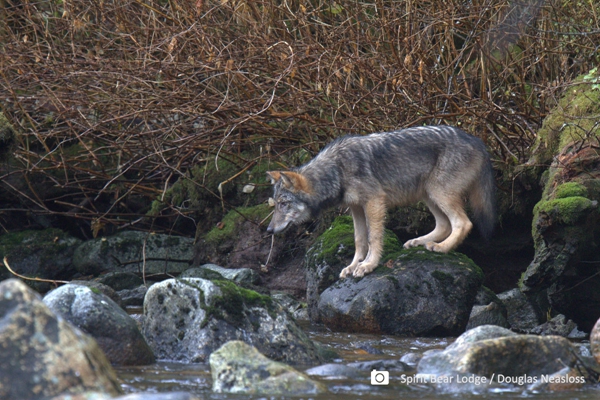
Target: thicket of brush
{"type": "Point", "coordinates": [112, 102]}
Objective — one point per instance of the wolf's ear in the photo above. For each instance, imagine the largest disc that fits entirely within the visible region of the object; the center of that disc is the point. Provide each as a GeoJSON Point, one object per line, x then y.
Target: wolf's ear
{"type": "Point", "coordinates": [295, 182]}
{"type": "Point", "coordinates": [273, 176]}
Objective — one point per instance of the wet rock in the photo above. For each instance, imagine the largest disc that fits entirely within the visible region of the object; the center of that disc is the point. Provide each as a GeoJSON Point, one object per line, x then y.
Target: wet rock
{"type": "Point", "coordinates": [423, 294]}
{"type": "Point", "coordinates": [385, 365]}
{"type": "Point", "coordinates": [128, 251]}
{"type": "Point", "coordinates": [94, 313]}
{"type": "Point", "coordinates": [411, 359]}
{"type": "Point", "coordinates": [595, 341]}
{"type": "Point", "coordinates": [480, 333]}
{"type": "Point", "coordinates": [158, 396]}
{"type": "Point", "coordinates": [240, 368]}
{"type": "Point", "coordinates": [133, 297]}
{"type": "Point", "coordinates": [558, 326]}
{"type": "Point", "coordinates": [102, 288]}
{"type": "Point", "coordinates": [332, 252]}
{"type": "Point", "coordinates": [564, 380]}
{"type": "Point", "coordinates": [293, 306]}
{"type": "Point", "coordinates": [42, 355]}
{"type": "Point", "coordinates": [120, 280]}
{"type": "Point", "coordinates": [524, 357]}
{"type": "Point", "coordinates": [523, 312]}
{"type": "Point", "coordinates": [243, 276]}
{"type": "Point", "coordinates": [44, 254]}
{"type": "Point", "coordinates": [334, 371]}
{"type": "Point", "coordinates": [187, 319]}
{"type": "Point", "coordinates": [492, 314]}
{"type": "Point", "coordinates": [132, 396]}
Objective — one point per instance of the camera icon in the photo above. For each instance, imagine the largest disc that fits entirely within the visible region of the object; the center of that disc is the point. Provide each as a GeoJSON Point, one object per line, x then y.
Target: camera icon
{"type": "Point", "coordinates": [380, 377]}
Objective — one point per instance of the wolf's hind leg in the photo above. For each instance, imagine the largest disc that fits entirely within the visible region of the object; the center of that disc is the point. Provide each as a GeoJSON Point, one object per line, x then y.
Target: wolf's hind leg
{"type": "Point", "coordinates": [442, 229]}
{"type": "Point", "coordinates": [375, 215]}
{"type": "Point", "coordinates": [461, 225]}
{"type": "Point", "coordinates": [361, 239]}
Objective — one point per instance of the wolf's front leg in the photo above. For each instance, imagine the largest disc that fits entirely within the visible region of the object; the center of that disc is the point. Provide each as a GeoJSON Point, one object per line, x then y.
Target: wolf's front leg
{"type": "Point", "coordinates": [361, 240]}
{"type": "Point", "coordinates": [375, 215]}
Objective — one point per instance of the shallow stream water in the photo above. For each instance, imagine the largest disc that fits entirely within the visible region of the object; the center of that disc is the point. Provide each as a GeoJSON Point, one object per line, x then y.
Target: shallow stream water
{"type": "Point", "coordinates": [196, 378]}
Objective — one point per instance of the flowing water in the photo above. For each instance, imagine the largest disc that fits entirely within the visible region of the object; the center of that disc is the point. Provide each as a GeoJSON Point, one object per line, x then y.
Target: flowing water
{"type": "Point", "coordinates": [196, 378]}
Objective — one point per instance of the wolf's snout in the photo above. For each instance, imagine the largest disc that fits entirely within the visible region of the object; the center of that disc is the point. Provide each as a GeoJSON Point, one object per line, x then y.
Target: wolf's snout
{"type": "Point", "coordinates": [270, 229]}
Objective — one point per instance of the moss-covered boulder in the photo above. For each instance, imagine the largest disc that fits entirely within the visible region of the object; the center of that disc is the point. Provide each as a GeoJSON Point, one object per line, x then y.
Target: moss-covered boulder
{"type": "Point", "coordinates": [187, 319]}
{"type": "Point", "coordinates": [332, 252]}
{"type": "Point", "coordinates": [44, 254]}
{"type": "Point", "coordinates": [135, 252]}
{"type": "Point", "coordinates": [421, 293]}
{"type": "Point", "coordinates": [566, 220]}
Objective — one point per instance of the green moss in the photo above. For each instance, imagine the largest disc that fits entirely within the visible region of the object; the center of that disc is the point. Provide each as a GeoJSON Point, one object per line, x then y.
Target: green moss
{"type": "Point", "coordinates": [569, 122]}
{"type": "Point", "coordinates": [454, 258]}
{"type": "Point", "coordinates": [570, 189]}
{"type": "Point", "coordinates": [338, 242]}
{"type": "Point", "coordinates": [234, 301]}
{"type": "Point", "coordinates": [567, 210]}
{"type": "Point", "coordinates": [231, 220]}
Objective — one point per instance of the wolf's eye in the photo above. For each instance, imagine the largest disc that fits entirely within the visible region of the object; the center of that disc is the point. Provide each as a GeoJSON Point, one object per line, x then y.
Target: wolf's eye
{"type": "Point", "coordinates": [283, 203]}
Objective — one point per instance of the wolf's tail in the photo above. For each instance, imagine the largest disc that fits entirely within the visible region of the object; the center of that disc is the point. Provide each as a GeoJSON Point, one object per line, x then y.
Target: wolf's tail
{"type": "Point", "coordinates": [483, 200]}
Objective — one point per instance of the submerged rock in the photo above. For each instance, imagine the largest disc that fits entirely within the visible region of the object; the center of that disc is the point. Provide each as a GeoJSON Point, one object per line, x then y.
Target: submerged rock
{"type": "Point", "coordinates": [136, 252]}
{"type": "Point", "coordinates": [423, 294]}
{"type": "Point", "coordinates": [96, 314]}
{"type": "Point", "coordinates": [42, 355]}
{"type": "Point", "coordinates": [488, 352]}
{"type": "Point", "coordinates": [187, 319]}
{"type": "Point", "coordinates": [240, 368]}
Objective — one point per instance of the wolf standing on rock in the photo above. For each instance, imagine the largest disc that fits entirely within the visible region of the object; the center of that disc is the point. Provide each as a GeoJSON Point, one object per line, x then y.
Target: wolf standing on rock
{"type": "Point", "coordinates": [439, 165]}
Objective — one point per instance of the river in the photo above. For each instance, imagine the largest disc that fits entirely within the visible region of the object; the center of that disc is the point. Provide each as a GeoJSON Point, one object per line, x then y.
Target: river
{"type": "Point", "coordinates": [196, 378]}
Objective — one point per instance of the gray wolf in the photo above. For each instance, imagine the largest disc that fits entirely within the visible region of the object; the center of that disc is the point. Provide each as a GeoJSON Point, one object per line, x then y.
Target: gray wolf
{"type": "Point", "coordinates": [442, 166]}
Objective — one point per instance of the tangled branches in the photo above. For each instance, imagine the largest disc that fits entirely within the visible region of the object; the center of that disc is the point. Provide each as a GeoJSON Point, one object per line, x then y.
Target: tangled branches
{"type": "Point", "coordinates": [114, 101]}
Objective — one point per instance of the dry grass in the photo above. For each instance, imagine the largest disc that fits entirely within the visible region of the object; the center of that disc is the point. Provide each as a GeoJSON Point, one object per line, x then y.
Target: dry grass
{"type": "Point", "coordinates": [116, 100]}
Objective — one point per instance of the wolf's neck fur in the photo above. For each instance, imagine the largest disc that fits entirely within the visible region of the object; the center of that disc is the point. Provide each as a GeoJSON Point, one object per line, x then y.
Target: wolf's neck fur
{"type": "Point", "coordinates": [324, 177]}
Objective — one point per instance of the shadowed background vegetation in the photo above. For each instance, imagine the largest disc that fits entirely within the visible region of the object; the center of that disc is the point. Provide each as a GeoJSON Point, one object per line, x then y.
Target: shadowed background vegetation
{"type": "Point", "coordinates": [108, 104]}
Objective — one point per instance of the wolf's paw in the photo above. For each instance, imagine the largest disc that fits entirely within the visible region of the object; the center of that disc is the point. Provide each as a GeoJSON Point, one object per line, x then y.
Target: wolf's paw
{"type": "Point", "coordinates": [347, 271]}
{"type": "Point", "coordinates": [412, 243]}
{"type": "Point", "coordinates": [363, 269]}
{"type": "Point", "coordinates": [437, 247]}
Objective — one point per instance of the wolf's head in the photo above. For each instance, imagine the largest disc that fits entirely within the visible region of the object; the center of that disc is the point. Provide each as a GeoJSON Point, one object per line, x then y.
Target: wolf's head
{"type": "Point", "coordinates": [290, 193]}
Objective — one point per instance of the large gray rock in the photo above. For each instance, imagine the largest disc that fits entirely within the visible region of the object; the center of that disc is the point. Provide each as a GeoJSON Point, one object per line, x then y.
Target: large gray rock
{"type": "Point", "coordinates": [187, 319]}
{"type": "Point", "coordinates": [494, 352]}
{"type": "Point", "coordinates": [42, 355]}
{"type": "Point", "coordinates": [96, 314]}
{"type": "Point", "coordinates": [523, 312]}
{"type": "Point", "coordinates": [243, 276]}
{"type": "Point", "coordinates": [423, 294]}
{"type": "Point", "coordinates": [44, 254]}
{"type": "Point", "coordinates": [492, 314]}
{"type": "Point", "coordinates": [128, 251]}
{"type": "Point", "coordinates": [240, 368]}
{"type": "Point", "coordinates": [333, 251]}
